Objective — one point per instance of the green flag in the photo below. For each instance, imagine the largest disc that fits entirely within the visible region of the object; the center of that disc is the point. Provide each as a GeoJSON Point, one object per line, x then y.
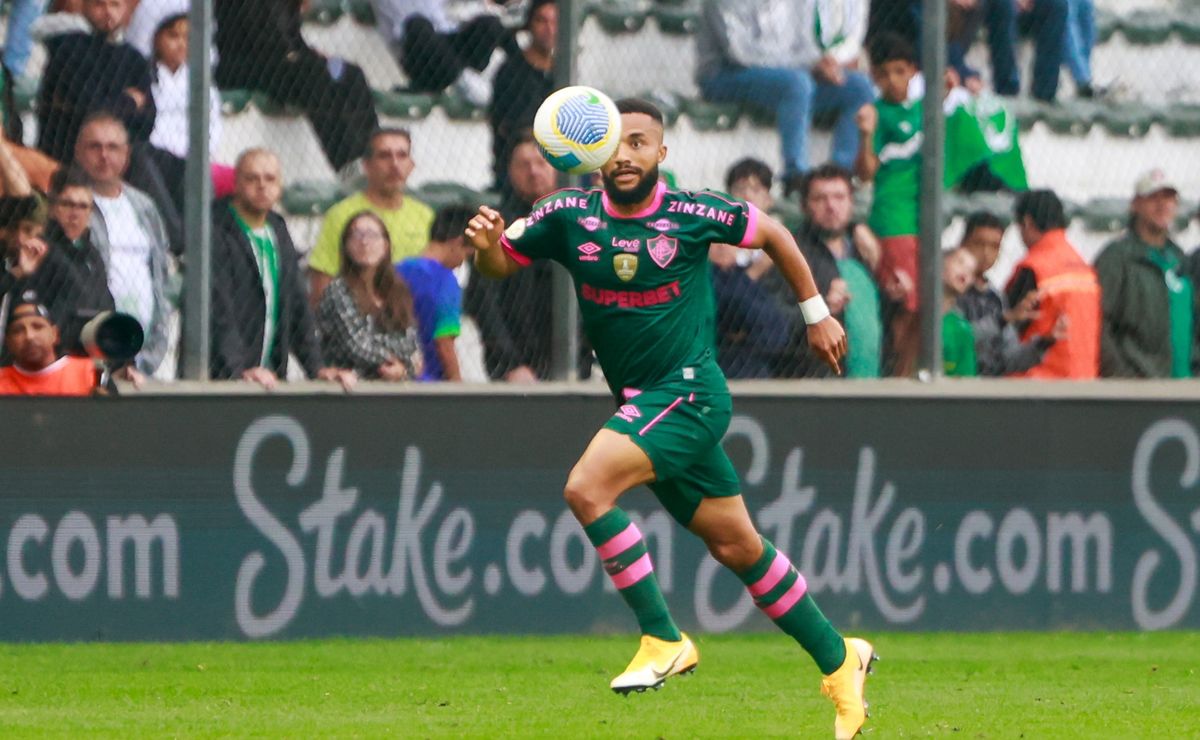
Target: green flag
{"type": "Point", "coordinates": [1000, 132]}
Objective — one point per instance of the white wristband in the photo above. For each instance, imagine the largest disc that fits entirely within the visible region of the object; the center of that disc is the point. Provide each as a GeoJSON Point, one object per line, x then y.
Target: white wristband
{"type": "Point", "coordinates": [814, 310]}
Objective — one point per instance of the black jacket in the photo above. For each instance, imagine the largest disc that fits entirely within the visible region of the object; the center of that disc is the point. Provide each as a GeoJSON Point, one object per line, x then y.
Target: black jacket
{"type": "Point", "coordinates": [86, 73]}
{"type": "Point", "coordinates": [798, 362]}
{"type": "Point", "coordinates": [239, 305]}
{"type": "Point", "coordinates": [89, 294]}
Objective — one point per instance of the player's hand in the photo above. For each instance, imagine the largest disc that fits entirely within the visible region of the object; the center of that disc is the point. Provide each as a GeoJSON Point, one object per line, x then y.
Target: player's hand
{"type": "Point", "coordinates": [867, 119]}
{"type": "Point", "coordinates": [827, 340]}
{"type": "Point", "coordinates": [484, 229]}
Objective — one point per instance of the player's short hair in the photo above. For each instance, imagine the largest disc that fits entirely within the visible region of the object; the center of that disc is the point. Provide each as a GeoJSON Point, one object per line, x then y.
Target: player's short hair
{"type": "Point", "coordinates": [983, 220]}
{"type": "Point", "coordinates": [640, 105]}
{"type": "Point", "coordinates": [385, 131]}
{"type": "Point", "coordinates": [1043, 207]}
{"type": "Point", "coordinates": [450, 222]}
{"type": "Point", "coordinates": [746, 168]}
{"type": "Point", "coordinates": [827, 171]}
{"type": "Point", "coordinates": [890, 46]}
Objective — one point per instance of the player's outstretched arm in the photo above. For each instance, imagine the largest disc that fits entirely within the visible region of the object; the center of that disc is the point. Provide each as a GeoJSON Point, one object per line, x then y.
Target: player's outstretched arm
{"type": "Point", "coordinates": [483, 232]}
{"type": "Point", "coordinates": [826, 337]}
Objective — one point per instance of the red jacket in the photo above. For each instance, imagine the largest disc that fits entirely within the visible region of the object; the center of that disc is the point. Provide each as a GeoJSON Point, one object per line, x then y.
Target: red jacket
{"type": "Point", "coordinates": [1067, 286]}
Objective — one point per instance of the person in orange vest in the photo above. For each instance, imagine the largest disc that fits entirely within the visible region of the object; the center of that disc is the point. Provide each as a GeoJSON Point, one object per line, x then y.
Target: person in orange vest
{"type": "Point", "coordinates": [38, 369]}
{"type": "Point", "coordinates": [1064, 286]}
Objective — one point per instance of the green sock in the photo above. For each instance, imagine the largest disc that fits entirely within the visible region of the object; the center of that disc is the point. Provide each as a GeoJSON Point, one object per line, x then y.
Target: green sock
{"type": "Point", "coordinates": [623, 553]}
{"type": "Point", "coordinates": [781, 592]}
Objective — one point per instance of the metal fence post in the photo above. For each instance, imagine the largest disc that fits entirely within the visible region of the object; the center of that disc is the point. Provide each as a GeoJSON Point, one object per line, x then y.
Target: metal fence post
{"type": "Point", "coordinates": [197, 273]}
{"type": "Point", "coordinates": [564, 355]}
{"type": "Point", "coordinates": [933, 64]}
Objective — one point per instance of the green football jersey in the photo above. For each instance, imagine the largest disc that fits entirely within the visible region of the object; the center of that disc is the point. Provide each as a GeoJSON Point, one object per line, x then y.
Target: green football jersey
{"type": "Point", "coordinates": [641, 281]}
{"type": "Point", "coordinates": [898, 140]}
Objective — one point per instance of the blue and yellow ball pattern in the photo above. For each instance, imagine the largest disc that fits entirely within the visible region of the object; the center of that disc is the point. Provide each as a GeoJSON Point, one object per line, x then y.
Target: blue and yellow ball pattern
{"type": "Point", "coordinates": [578, 129]}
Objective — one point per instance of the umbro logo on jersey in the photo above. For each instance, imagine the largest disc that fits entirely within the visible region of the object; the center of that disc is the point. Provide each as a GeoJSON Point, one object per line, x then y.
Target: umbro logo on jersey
{"type": "Point", "coordinates": [589, 252]}
{"type": "Point", "coordinates": [662, 224]}
{"type": "Point", "coordinates": [629, 412]}
{"type": "Point", "coordinates": [662, 249]}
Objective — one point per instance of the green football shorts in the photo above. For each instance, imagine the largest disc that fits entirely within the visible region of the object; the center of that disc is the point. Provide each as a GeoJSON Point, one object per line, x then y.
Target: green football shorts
{"type": "Point", "coordinates": [679, 425]}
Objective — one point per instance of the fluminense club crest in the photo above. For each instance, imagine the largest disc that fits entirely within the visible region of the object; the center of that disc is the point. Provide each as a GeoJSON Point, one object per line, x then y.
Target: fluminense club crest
{"type": "Point", "coordinates": [662, 249]}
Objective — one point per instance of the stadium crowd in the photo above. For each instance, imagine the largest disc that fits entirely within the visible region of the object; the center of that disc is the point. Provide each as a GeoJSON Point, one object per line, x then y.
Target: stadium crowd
{"type": "Point", "coordinates": [91, 208]}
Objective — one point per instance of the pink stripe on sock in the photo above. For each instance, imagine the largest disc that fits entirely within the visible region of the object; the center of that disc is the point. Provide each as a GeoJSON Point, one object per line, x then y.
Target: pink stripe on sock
{"type": "Point", "coordinates": [788, 600]}
{"type": "Point", "coordinates": [779, 568]}
{"type": "Point", "coordinates": [634, 573]}
{"type": "Point", "coordinates": [620, 542]}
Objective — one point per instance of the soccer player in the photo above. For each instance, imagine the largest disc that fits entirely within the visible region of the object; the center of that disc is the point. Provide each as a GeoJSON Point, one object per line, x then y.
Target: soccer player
{"type": "Point", "coordinates": [638, 255]}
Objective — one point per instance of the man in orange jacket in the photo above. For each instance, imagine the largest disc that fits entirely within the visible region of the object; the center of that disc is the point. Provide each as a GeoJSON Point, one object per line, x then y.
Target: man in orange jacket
{"type": "Point", "coordinates": [38, 370]}
{"type": "Point", "coordinates": [1063, 285]}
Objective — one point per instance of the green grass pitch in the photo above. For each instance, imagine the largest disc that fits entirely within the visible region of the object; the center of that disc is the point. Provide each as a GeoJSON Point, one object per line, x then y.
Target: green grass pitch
{"type": "Point", "coordinates": [952, 685]}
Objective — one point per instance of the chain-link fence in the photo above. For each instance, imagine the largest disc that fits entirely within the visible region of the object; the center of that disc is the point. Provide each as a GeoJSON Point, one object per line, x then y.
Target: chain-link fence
{"type": "Point", "coordinates": [419, 112]}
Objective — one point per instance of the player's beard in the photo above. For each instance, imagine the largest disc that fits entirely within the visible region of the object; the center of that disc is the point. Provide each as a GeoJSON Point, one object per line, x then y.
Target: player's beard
{"type": "Point", "coordinates": [640, 192]}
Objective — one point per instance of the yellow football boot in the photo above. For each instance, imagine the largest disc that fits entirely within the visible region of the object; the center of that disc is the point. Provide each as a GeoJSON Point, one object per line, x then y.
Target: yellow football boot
{"type": "Point", "coordinates": [655, 662]}
{"type": "Point", "coordinates": [846, 685]}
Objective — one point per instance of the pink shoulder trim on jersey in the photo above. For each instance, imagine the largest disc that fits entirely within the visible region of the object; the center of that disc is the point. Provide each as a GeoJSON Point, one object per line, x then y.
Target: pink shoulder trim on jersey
{"type": "Point", "coordinates": [659, 191]}
{"type": "Point", "coordinates": [751, 226]}
{"type": "Point", "coordinates": [509, 249]}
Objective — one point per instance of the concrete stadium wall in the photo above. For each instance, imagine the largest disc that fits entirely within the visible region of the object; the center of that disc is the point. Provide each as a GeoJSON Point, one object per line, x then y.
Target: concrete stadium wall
{"type": "Point", "coordinates": [286, 516]}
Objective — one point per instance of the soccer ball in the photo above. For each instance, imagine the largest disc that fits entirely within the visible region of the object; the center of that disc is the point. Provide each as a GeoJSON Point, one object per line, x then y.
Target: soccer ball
{"type": "Point", "coordinates": [578, 129]}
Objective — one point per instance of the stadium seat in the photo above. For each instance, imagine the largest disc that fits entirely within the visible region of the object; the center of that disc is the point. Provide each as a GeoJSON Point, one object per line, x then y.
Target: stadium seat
{"type": "Point", "coordinates": [1146, 27]}
{"type": "Point", "coordinates": [1130, 119]}
{"type": "Point", "coordinates": [235, 101]}
{"type": "Point", "coordinates": [681, 18]}
{"type": "Point", "coordinates": [1027, 110]}
{"type": "Point", "coordinates": [402, 104]}
{"type": "Point", "coordinates": [1073, 117]}
{"type": "Point", "coordinates": [324, 12]}
{"type": "Point", "coordinates": [1186, 25]}
{"type": "Point", "coordinates": [620, 16]}
{"type": "Point", "coordinates": [311, 197]}
{"type": "Point", "coordinates": [444, 193]}
{"type": "Point", "coordinates": [459, 108]}
{"type": "Point", "coordinates": [706, 116]}
{"type": "Point", "coordinates": [1182, 120]}
{"type": "Point", "coordinates": [362, 11]}
{"type": "Point", "coordinates": [1106, 214]}
{"type": "Point", "coordinates": [668, 103]}
{"type": "Point", "coordinates": [272, 107]}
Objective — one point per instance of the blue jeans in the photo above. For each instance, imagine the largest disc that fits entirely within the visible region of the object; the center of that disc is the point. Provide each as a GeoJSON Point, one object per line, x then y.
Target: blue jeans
{"type": "Point", "coordinates": [1047, 23]}
{"type": "Point", "coordinates": [795, 96]}
{"type": "Point", "coordinates": [18, 44]}
{"type": "Point", "coordinates": [1081, 37]}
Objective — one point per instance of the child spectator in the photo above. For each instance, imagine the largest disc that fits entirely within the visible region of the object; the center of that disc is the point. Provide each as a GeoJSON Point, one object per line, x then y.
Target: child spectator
{"type": "Point", "coordinates": [958, 341]}
{"type": "Point", "coordinates": [365, 317]}
{"type": "Point", "coordinates": [436, 292]}
{"type": "Point", "coordinates": [890, 154]}
{"type": "Point", "coordinates": [998, 349]}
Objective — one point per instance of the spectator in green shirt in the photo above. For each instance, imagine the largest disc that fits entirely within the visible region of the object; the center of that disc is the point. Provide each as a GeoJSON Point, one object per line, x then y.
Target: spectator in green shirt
{"type": "Point", "coordinates": [958, 340]}
{"type": "Point", "coordinates": [1146, 290]}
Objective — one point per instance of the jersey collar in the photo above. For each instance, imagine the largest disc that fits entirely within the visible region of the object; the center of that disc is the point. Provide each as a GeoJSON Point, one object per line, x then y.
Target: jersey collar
{"type": "Point", "coordinates": [659, 191]}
